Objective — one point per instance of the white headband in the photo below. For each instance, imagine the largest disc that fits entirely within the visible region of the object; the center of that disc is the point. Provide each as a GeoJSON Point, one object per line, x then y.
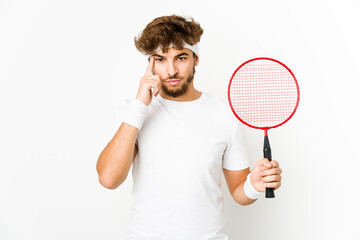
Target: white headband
{"type": "Point", "coordinates": [194, 48]}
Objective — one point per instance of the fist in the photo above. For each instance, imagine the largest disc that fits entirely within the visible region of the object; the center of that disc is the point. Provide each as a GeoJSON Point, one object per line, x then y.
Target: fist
{"type": "Point", "coordinates": [149, 84]}
{"type": "Point", "coordinates": [266, 174]}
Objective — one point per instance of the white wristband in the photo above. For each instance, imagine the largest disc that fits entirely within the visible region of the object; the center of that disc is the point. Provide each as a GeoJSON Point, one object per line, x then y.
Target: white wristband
{"type": "Point", "coordinates": [249, 190]}
{"type": "Point", "coordinates": [136, 113]}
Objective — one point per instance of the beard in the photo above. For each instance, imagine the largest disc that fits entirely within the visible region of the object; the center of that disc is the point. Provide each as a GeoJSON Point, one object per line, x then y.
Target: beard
{"type": "Point", "coordinates": [183, 88]}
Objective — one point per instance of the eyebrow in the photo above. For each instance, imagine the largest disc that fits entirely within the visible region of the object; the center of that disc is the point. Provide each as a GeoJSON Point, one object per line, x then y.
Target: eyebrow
{"type": "Point", "coordinates": [160, 56]}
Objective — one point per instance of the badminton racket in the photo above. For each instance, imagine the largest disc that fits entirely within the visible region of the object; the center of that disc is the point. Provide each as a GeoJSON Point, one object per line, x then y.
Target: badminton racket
{"type": "Point", "coordinates": [263, 93]}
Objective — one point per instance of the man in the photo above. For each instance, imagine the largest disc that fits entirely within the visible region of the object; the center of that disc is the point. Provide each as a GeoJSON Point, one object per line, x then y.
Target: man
{"type": "Point", "coordinates": [179, 141]}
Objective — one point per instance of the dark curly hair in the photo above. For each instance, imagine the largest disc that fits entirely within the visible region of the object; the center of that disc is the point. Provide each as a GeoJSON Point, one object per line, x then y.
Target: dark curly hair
{"type": "Point", "coordinates": [166, 30]}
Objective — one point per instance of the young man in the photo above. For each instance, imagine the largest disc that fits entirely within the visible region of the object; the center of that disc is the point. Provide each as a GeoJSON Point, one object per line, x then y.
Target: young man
{"type": "Point", "coordinates": [179, 141]}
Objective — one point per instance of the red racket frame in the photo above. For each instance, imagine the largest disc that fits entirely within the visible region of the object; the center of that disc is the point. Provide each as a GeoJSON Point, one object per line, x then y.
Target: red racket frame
{"type": "Point", "coordinates": [297, 86]}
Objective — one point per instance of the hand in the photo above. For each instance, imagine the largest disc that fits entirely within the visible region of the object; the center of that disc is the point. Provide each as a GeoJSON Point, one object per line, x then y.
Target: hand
{"type": "Point", "coordinates": [266, 174]}
{"type": "Point", "coordinates": [148, 82]}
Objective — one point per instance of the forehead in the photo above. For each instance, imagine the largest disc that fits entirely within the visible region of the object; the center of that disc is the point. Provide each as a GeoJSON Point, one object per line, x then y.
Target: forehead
{"type": "Point", "coordinates": [172, 52]}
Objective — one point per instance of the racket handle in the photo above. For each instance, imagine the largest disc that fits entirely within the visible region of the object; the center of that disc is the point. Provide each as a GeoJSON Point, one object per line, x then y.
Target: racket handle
{"type": "Point", "coordinates": [269, 192]}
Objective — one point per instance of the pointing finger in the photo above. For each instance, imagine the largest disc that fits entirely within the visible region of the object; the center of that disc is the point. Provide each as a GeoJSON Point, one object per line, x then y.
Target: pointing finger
{"type": "Point", "coordinates": [150, 67]}
{"type": "Point", "coordinates": [265, 162]}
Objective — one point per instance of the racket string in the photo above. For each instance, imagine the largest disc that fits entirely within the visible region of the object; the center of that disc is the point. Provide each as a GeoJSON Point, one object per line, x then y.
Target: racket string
{"type": "Point", "coordinates": [263, 93]}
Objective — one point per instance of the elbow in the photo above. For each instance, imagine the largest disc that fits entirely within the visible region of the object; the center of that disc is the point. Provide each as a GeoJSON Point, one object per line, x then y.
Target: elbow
{"type": "Point", "coordinates": [244, 201]}
{"type": "Point", "coordinates": [105, 179]}
{"type": "Point", "coordinates": [247, 203]}
{"type": "Point", "coordinates": [107, 184]}
{"type": "Point", "coordinates": [109, 178]}
{"type": "Point", "coordinates": [110, 183]}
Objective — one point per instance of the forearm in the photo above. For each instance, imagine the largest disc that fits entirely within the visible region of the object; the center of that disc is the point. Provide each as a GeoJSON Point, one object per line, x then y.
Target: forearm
{"type": "Point", "coordinates": [115, 160]}
{"type": "Point", "coordinates": [240, 196]}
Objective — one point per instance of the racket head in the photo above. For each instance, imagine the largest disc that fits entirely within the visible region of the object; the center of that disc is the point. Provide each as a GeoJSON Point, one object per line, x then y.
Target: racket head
{"type": "Point", "coordinates": [263, 93]}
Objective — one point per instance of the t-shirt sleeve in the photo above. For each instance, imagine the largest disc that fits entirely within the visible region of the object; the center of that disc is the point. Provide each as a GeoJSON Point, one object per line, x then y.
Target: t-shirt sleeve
{"type": "Point", "coordinates": [235, 156]}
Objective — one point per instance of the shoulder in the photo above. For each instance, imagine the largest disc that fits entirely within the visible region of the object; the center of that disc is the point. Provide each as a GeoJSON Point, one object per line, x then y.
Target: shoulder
{"type": "Point", "coordinates": [221, 108]}
{"type": "Point", "coordinates": [218, 104]}
{"type": "Point", "coordinates": [215, 101]}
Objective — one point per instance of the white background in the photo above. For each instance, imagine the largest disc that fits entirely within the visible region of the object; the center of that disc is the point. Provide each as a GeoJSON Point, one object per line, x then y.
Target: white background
{"type": "Point", "coordinates": [66, 65]}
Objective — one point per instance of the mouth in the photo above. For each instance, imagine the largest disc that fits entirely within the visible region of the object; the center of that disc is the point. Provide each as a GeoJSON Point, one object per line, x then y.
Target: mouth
{"type": "Point", "coordinates": [173, 82]}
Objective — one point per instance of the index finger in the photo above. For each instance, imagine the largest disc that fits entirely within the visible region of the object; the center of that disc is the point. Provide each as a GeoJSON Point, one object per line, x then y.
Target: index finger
{"type": "Point", "coordinates": [150, 67]}
{"type": "Point", "coordinates": [265, 162]}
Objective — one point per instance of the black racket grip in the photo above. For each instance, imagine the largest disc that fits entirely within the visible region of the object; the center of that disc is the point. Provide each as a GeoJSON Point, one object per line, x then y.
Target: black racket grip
{"type": "Point", "coordinates": [269, 192]}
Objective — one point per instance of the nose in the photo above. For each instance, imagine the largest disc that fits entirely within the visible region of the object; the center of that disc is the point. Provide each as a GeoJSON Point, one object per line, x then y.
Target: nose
{"type": "Point", "coordinates": [172, 70]}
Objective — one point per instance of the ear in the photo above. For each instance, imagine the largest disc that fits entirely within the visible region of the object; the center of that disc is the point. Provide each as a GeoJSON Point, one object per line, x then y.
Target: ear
{"type": "Point", "coordinates": [196, 60]}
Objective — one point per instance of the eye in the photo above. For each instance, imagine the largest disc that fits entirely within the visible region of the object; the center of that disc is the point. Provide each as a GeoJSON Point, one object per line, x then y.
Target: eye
{"type": "Point", "coordinates": [159, 59]}
{"type": "Point", "coordinates": [182, 58]}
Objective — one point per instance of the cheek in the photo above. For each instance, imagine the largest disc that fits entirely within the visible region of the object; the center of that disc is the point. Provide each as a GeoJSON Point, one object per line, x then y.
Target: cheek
{"type": "Point", "coordinates": [187, 70]}
{"type": "Point", "coordinates": [160, 70]}
{"type": "Point", "coordinates": [182, 67]}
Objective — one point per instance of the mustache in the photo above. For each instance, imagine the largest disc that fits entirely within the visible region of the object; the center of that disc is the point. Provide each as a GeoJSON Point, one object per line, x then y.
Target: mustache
{"type": "Point", "coordinates": [175, 76]}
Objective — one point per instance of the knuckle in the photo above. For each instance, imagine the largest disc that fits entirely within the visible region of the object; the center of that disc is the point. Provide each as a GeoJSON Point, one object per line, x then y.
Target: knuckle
{"type": "Point", "coordinates": [144, 79]}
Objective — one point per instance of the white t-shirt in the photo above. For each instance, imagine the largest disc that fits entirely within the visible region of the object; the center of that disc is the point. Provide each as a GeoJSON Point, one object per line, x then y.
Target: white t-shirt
{"type": "Point", "coordinates": [183, 147]}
